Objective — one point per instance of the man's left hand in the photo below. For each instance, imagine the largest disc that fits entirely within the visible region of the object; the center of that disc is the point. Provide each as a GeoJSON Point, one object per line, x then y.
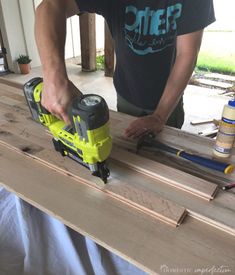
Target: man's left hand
{"type": "Point", "coordinates": [144, 125]}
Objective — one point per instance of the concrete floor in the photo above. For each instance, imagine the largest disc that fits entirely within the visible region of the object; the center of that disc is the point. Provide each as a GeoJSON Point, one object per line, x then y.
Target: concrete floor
{"type": "Point", "coordinates": [199, 103]}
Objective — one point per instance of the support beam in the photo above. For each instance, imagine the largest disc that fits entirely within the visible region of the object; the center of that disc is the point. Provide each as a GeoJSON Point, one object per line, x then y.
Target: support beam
{"type": "Point", "coordinates": [108, 52]}
{"type": "Point", "coordinates": [3, 54]}
{"type": "Point", "coordinates": [88, 41]}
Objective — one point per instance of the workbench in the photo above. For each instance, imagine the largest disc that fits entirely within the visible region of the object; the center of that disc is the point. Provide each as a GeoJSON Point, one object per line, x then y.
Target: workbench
{"type": "Point", "coordinates": [157, 211]}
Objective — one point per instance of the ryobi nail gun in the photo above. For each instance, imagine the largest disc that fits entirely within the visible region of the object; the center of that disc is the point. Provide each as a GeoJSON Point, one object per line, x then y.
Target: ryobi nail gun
{"type": "Point", "coordinates": [87, 139]}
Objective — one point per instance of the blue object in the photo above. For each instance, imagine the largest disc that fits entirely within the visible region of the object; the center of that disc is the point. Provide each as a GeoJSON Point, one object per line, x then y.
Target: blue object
{"type": "Point", "coordinates": [225, 168]}
{"type": "Point", "coordinates": [209, 163]}
{"type": "Point", "coordinates": [231, 103]}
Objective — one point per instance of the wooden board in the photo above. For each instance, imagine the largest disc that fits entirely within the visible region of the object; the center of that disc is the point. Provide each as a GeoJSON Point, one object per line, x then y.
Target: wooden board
{"type": "Point", "coordinates": [16, 131]}
{"type": "Point", "coordinates": [170, 136]}
{"type": "Point", "coordinates": [140, 199]}
{"type": "Point", "coordinates": [198, 187]}
{"type": "Point", "coordinates": [150, 244]}
{"type": "Point", "coordinates": [179, 139]}
{"type": "Point", "coordinates": [31, 135]}
{"type": "Point", "coordinates": [138, 238]}
{"type": "Point", "coordinates": [220, 213]}
{"type": "Point", "coordinates": [188, 183]}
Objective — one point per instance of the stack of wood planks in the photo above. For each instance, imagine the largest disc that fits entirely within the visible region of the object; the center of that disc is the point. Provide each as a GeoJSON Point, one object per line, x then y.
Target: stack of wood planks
{"type": "Point", "coordinates": [156, 211]}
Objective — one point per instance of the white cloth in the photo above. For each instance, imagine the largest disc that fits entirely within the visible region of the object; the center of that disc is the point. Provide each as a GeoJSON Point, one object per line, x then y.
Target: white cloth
{"type": "Point", "coordinates": [34, 243]}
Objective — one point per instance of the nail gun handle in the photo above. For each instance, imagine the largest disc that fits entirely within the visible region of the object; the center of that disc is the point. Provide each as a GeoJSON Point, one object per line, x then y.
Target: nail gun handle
{"type": "Point", "coordinates": [209, 163]}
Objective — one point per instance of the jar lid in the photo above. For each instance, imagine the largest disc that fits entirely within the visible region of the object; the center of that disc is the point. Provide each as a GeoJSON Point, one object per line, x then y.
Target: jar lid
{"type": "Point", "coordinates": [231, 103]}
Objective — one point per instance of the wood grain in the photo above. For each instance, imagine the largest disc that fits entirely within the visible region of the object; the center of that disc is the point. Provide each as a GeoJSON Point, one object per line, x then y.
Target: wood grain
{"type": "Point", "coordinates": [150, 244]}
{"type": "Point", "coordinates": [19, 130]}
{"type": "Point", "coordinates": [171, 176]}
{"type": "Point", "coordinates": [140, 239]}
{"type": "Point", "coordinates": [142, 200]}
{"type": "Point", "coordinates": [175, 138]}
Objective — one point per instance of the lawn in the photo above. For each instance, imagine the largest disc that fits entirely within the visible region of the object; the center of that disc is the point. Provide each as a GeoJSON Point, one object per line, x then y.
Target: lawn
{"type": "Point", "coordinates": [217, 52]}
{"type": "Point", "coordinates": [221, 64]}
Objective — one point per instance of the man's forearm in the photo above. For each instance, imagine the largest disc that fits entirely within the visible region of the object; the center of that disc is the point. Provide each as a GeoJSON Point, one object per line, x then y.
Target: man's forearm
{"type": "Point", "coordinates": [177, 81]}
{"type": "Point", "coordinates": [50, 30]}
{"type": "Point", "coordinates": [187, 48]}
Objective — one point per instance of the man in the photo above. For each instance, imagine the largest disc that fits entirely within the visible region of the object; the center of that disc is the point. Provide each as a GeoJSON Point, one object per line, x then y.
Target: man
{"type": "Point", "coordinates": [156, 44]}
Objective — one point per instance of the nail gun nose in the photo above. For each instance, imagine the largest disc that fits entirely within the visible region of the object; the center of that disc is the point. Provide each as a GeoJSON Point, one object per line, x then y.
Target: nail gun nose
{"type": "Point", "coordinates": [100, 170]}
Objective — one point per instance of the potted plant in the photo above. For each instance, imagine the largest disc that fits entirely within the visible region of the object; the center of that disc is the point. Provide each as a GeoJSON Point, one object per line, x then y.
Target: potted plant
{"type": "Point", "coordinates": [24, 63]}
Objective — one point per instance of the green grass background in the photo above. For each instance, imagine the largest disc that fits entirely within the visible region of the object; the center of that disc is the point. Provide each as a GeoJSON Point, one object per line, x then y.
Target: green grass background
{"type": "Point", "coordinates": [217, 52]}
{"type": "Point", "coordinates": [215, 63]}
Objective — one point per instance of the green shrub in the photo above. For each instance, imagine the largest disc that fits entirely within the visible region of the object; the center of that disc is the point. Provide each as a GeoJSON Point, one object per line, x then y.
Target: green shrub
{"type": "Point", "coordinates": [100, 62]}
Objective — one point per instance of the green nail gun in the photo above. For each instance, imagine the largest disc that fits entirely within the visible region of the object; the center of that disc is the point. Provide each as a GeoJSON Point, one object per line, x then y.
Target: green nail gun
{"type": "Point", "coordinates": [87, 139]}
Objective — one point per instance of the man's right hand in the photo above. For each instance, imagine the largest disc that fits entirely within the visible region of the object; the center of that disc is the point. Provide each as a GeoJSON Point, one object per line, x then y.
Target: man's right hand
{"type": "Point", "coordinates": [57, 96]}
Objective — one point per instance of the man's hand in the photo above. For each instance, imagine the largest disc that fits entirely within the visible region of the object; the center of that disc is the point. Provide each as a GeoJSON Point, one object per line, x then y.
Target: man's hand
{"type": "Point", "coordinates": [143, 125]}
{"type": "Point", "coordinates": [56, 98]}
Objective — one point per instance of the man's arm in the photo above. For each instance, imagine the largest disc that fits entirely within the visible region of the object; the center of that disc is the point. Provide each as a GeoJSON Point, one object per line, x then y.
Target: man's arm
{"type": "Point", "coordinates": [188, 46]}
{"type": "Point", "coordinates": [50, 32]}
{"type": "Point", "coordinates": [187, 49]}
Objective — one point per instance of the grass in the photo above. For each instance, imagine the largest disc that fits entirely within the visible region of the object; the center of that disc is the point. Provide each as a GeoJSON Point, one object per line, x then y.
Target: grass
{"type": "Point", "coordinates": [215, 63]}
{"type": "Point", "coordinates": [217, 52]}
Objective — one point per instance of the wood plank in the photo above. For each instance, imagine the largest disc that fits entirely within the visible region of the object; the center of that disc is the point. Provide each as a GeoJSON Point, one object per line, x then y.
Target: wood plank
{"type": "Point", "coordinates": [10, 83]}
{"type": "Point", "coordinates": [218, 214]}
{"type": "Point", "coordinates": [171, 176]}
{"type": "Point", "coordinates": [156, 206]}
{"type": "Point", "coordinates": [142, 240]}
{"type": "Point", "coordinates": [142, 200]}
{"type": "Point", "coordinates": [88, 41]}
{"type": "Point", "coordinates": [177, 138]}
{"type": "Point", "coordinates": [201, 122]}
{"type": "Point", "coordinates": [138, 238]}
{"type": "Point", "coordinates": [8, 100]}
{"type": "Point", "coordinates": [153, 204]}
{"type": "Point", "coordinates": [169, 136]}
{"type": "Point", "coordinates": [118, 125]}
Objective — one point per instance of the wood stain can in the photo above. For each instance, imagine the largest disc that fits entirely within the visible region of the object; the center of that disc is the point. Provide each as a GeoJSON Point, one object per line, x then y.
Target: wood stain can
{"type": "Point", "coordinates": [226, 134]}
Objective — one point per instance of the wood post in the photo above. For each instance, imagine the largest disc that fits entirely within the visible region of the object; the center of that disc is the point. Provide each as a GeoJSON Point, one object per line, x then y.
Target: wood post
{"type": "Point", "coordinates": [108, 52]}
{"type": "Point", "coordinates": [88, 45]}
{"type": "Point", "coordinates": [88, 41]}
{"type": "Point", "coordinates": [3, 52]}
